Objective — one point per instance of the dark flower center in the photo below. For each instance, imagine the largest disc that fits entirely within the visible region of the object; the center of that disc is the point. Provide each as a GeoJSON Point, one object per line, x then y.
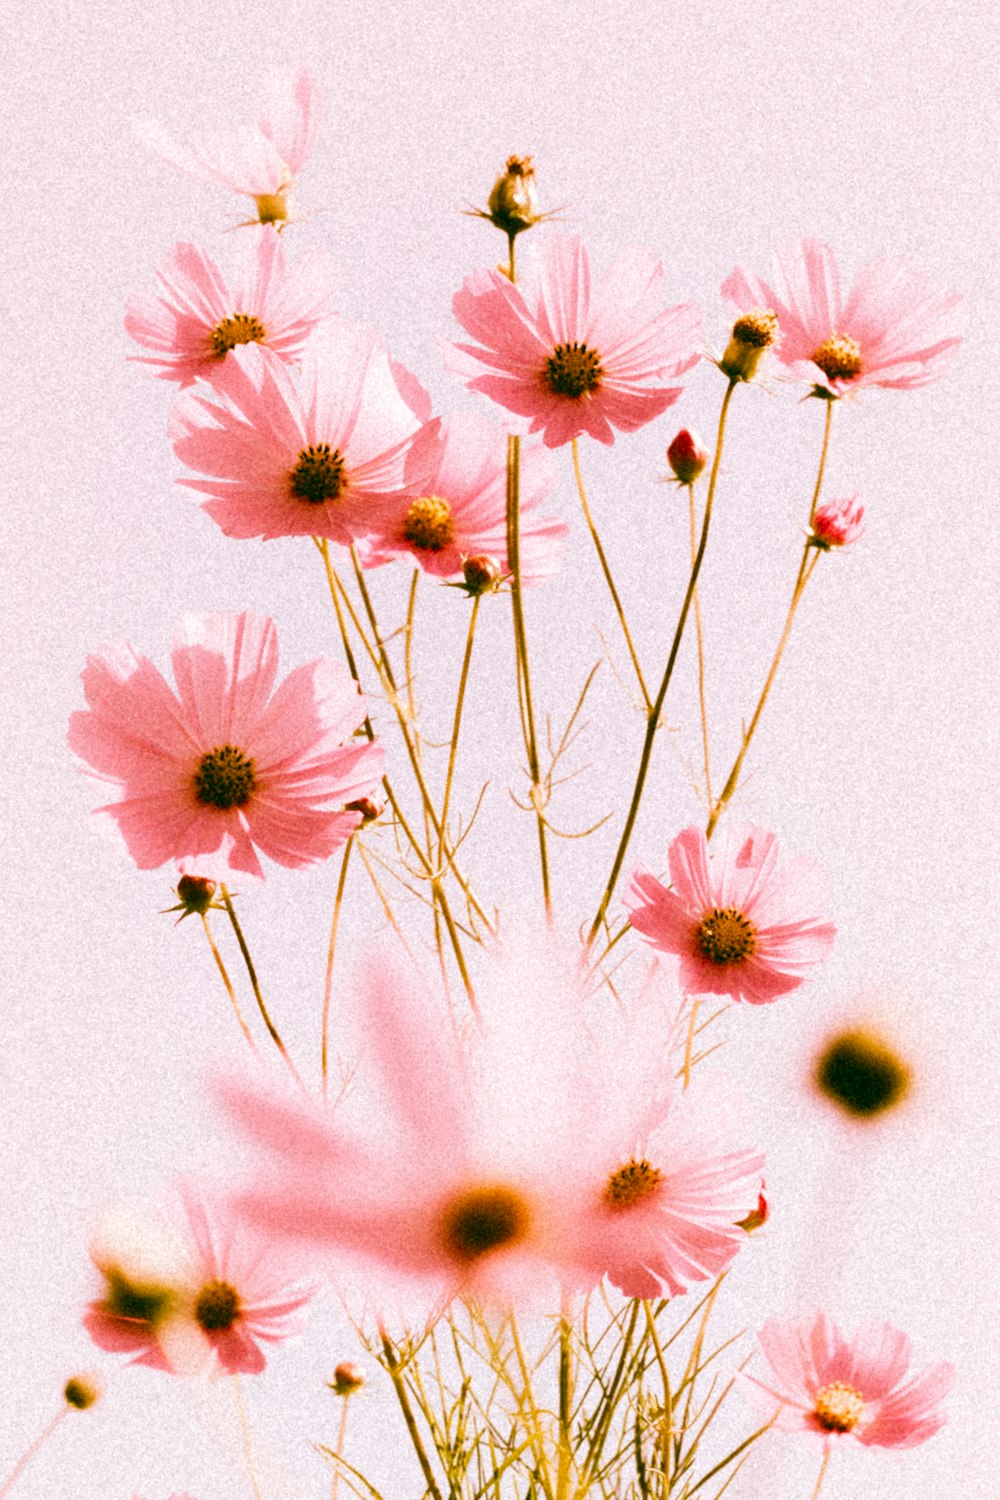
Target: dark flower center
{"type": "Point", "coordinates": [319, 474]}
{"type": "Point", "coordinates": [225, 777]}
{"type": "Point", "coordinates": [241, 328]}
{"type": "Point", "coordinates": [217, 1307]}
{"type": "Point", "coordinates": [632, 1183]}
{"type": "Point", "coordinates": [139, 1304]}
{"type": "Point", "coordinates": [839, 357]}
{"type": "Point", "coordinates": [839, 1407]}
{"type": "Point", "coordinates": [860, 1073]}
{"type": "Point", "coordinates": [483, 1219]}
{"type": "Point", "coordinates": [428, 524]}
{"type": "Point", "coordinates": [573, 370]}
{"type": "Point", "coordinates": [758, 328]}
{"type": "Point", "coordinates": [726, 936]}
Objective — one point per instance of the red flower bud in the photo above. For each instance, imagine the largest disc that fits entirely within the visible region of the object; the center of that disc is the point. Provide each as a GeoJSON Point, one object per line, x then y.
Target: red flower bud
{"type": "Point", "coordinates": [347, 1379]}
{"type": "Point", "coordinates": [482, 574]}
{"type": "Point", "coordinates": [757, 1216]}
{"type": "Point", "coordinates": [837, 523]}
{"type": "Point", "coordinates": [369, 809]}
{"type": "Point", "coordinates": [686, 456]}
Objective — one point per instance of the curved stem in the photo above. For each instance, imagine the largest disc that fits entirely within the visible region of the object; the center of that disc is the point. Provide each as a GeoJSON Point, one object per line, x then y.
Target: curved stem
{"type": "Point", "coordinates": [411, 606]}
{"type": "Point", "coordinates": [653, 719]}
{"type": "Point", "coordinates": [330, 952]}
{"type": "Point", "coordinates": [822, 1474]}
{"type": "Point", "coordinates": [606, 570]}
{"type": "Point", "coordinates": [228, 983]}
{"type": "Point", "coordinates": [32, 1450]}
{"type": "Point", "coordinates": [699, 637]}
{"type": "Point", "coordinates": [227, 902]}
{"type": "Point", "coordinates": [456, 726]}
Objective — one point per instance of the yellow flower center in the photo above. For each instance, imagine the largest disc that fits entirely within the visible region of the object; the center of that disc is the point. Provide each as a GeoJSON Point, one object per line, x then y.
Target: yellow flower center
{"type": "Point", "coordinates": [217, 1307]}
{"type": "Point", "coordinates": [839, 1407]}
{"type": "Point", "coordinates": [428, 524]}
{"type": "Point", "coordinates": [241, 328]}
{"type": "Point", "coordinates": [573, 370]}
{"type": "Point", "coordinates": [272, 208]}
{"type": "Point", "coordinates": [319, 474]}
{"type": "Point", "coordinates": [483, 1219]}
{"type": "Point", "coordinates": [758, 328]}
{"type": "Point", "coordinates": [726, 936]}
{"type": "Point", "coordinates": [224, 778]}
{"type": "Point", "coordinates": [631, 1183]}
{"type": "Point", "coordinates": [839, 357]}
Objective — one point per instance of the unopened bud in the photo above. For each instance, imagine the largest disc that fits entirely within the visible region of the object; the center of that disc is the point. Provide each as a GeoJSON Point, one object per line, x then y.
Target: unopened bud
{"type": "Point", "coordinates": [687, 457]}
{"type": "Point", "coordinates": [837, 524]}
{"type": "Point", "coordinates": [753, 332]}
{"type": "Point", "coordinates": [513, 203]}
{"type": "Point", "coordinates": [861, 1074]}
{"type": "Point", "coordinates": [81, 1391]}
{"type": "Point", "coordinates": [194, 895]}
{"type": "Point", "coordinates": [757, 1216]}
{"type": "Point", "coordinates": [368, 808]}
{"type": "Point", "coordinates": [482, 574]}
{"type": "Point", "coordinates": [347, 1379]}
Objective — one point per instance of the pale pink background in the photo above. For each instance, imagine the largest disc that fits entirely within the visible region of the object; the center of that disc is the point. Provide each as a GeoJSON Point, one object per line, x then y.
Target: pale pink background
{"type": "Point", "coordinates": [712, 134]}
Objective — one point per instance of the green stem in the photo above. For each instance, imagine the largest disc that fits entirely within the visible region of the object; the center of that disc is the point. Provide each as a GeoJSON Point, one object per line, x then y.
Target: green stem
{"type": "Point", "coordinates": [399, 1386]}
{"type": "Point", "coordinates": [456, 726]}
{"type": "Point", "coordinates": [255, 984]}
{"type": "Point", "coordinates": [828, 423]}
{"type": "Point", "coordinates": [700, 639]}
{"type": "Point", "coordinates": [566, 1381]}
{"type": "Point", "coordinates": [330, 952]}
{"type": "Point", "coordinates": [227, 982]}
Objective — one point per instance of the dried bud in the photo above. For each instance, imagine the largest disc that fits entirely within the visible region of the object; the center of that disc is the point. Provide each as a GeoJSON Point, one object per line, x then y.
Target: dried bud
{"type": "Point", "coordinates": [368, 808]}
{"type": "Point", "coordinates": [861, 1074]}
{"type": "Point", "coordinates": [82, 1391]}
{"type": "Point", "coordinates": [687, 457]}
{"type": "Point", "coordinates": [757, 1216]}
{"type": "Point", "coordinates": [347, 1379]}
{"type": "Point", "coordinates": [513, 203]}
{"type": "Point", "coordinates": [194, 894]}
{"type": "Point", "coordinates": [837, 524]}
{"type": "Point", "coordinates": [753, 332]}
{"type": "Point", "coordinates": [482, 574]}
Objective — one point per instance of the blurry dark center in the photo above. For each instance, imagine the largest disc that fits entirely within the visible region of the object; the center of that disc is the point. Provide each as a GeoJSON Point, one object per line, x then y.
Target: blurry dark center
{"type": "Point", "coordinates": [759, 328]}
{"type": "Point", "coordinates": [484, 1219]}
{"type": "Point", "coordinates": [319, 474]}
{"type": "Point", "coordinates": [839, 357]}
{"type": "Point", "coordinates": [224, 777]}
{"type": "Point", "coordinates": [217, 1307]}
{"type": "Point", "coordinates": [860, 1073]}
{"type": "Point", "coordinates": [139, 1303]}
{"type": "Point", "coordinates": [632, 1183]}
{"type": "Point", "coordinates": [573, 370]}
{"type": "Point", "coordinates": [241, 328]}
{"type": "Point", "coordinates": [428, 524]}
{"type": "Point", "coordinates": [839, 1407]}
{"type": "Point", "coordinates": [726, 936]}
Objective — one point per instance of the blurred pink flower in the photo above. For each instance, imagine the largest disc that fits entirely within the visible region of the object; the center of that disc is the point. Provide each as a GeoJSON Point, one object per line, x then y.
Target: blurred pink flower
{"type": "Point", "coordinates": [262, 160]}
{"type": "Point", "coordinates": [232, 1292]}
{"type": "Point", "coordinates": [322, 455]}
{"type": "Point", "coordinates": [848, 1389]}
{"type": "Point", "coordinates": [838, 523]}
{"type": "Point", "coordinates": [893, 329]}
{"type": "Point", "coordinates": [570, 361]}
{"type": "Point", "coordinates": [221, 767]}
{"type": "Point", "coordinates": [196, 319]}
{"type": "Point", "coordinates": [462, 508]}
{"type": "Point", "coordinates": [742, 928]}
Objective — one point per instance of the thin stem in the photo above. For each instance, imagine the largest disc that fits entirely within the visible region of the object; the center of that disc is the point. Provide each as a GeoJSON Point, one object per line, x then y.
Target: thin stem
{"type": "Point", "coordinates": [822, 1474]}
{"type": "Point", "coordinates": [228, 983]}
{"type": "Point", "coordinates": [606, 570]}
{"type": "Point", "coordinates": [227, 902]}
{"type": "Point", "coordinates": [667, 1426]}
{"type": "Point", "coordinates": [399, 1386]}
{"type": "Point", "coordinates": [339, 1450]}
{"type": "Point", "coordinates": [827, 425]}
{"type": "Point", "coordinates": [408, 649]}
{"type": "Point", "coordinates": [566, 1382]}
{"type": "Point", "coordinates": [330, 952]}
{"type": "Point", "coordinates": [692, 1024]}
{"type": "Point", "coordinates": [32, 1450]}
{"type": "Point", "coordinates": [456, 726]}
{"type": "Point", "coordinates": [538, 1434]}
{"type": "Point", "coordinates": [247, 1441]}
{"type": "Point", "coordinates": [699, 636]}
{"type": "Point", "coordinates": [653, 719]}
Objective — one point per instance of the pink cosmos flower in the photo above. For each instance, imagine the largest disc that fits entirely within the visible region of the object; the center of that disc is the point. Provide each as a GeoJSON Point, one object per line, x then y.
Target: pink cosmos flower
{"type": "Point", "coordinates": [261, 161]}
{"type": "Point", "coordinates": [848, 1390]}
{"type": "Point", "coordinates": [838, 523]}
{"type": "Point", "coordinates": [196, 319]}
{"type": "Point", "coordinates": [225, 766]}
{"type": "Point", "coordinates": [230, 1292]}
{"type": "Point", "coordinates": [462, 509]}
{"type": "Point", "coordinates": [569, 360]}
{"type": "Point", "coordinates": [893, 328]}
{"type": "Point", "coordinates": [741, 928]}
{"type": "Point", "coordinates": [322, 455]}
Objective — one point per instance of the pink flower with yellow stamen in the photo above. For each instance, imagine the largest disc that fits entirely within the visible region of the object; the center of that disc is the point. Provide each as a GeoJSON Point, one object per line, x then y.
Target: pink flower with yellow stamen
{"type": "Point", "coordinates": [740, 926]}
{"type": "Point", "coordinates": [568, 359]}
{"type": "Point", "coordinates": [892, 329]}
{"type": "Point", "coordinates": [225, 765]}
{"type": "Point", "coordinates": [196, 318]}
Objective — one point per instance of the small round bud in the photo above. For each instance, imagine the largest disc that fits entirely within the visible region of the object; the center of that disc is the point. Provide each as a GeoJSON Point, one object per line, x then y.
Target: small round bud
{"type": "Point", "coordinates": [513, 203]}
{"type": "Point", "coordinates": [837, 524]}
{"type": "Point", "coordinates": [347, 1379]}
{"type": "Point", "coordinates": [194, 894]}
{"type": "Point", "coordinates": [81, 1391]}
{"type": "Point", "coordinates": [482, 574]}
{"type": "Point", "coordinates": [758, 1215]}
{"type": "Point", "coordinates": [368, 808]}
{"type": "Point", "coordinates": [687, 456]}
{"type": "Point", "coordinates": [753, 332]}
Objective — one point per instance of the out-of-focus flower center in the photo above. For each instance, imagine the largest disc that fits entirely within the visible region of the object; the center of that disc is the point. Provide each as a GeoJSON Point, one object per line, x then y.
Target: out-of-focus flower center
{"type": "Point", "coordinates": [858, 1071]}
{"type": "Point", "coordinates": [839, 1407]}
{"type": "Point", "coordinates": [758, 328]}
{"type": "Point", "coordinates": [225, 777]}
{"type": "Point", "coordinates": [272, 208]}
{"type": "Point", "coordinates": [573, 370]}
{"type": "Point", "coordinates": [839, 357]}
{"type": "Point", "coordinates": [217, 1307]}
{"type": "Point", "coordinates": [726, 936]}
{"type": "Point", "coordinates": [138, 1302]}
{"type": "Point", "coordinates": [319, 474]}
{"type": "Point", "coordinates": [241, 328]}
{"type": "Point", "coordinates": [428, 524]}
{"type": "Point", "coordinates": [632, 1183]}
{"type": "Point", "coordinates": [484, 1219]}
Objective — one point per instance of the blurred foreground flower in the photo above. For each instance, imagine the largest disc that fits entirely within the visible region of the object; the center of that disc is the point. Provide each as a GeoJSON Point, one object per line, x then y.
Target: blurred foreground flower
{"type": "Point", "coordinates": [224, 766]}
{"type": "Point", "coordinates": [861, 1074]}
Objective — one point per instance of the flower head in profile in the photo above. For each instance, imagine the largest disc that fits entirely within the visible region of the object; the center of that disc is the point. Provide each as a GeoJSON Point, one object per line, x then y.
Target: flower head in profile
{"type": "Point", "coordinates": [892, 329]}
{"type": "Point", "coordinates": [196, 318]}
{"type": "Point", "coordinates": [838, 523]}
{"type": "Point", "coordinates": [262, 160]}
{"type": "Point", "coordinates": [739, 925]}
{"type": "Point", "coordinates": [847, 1390]}
{"type": "Point", "coordinates": [569, 359]}
{"type": "Point", "coordinates": [462, 510]}
{"type": "Point", "coordinates": [221, 1292]}
{"type": "Point", "coordinates": [225, 765]}
{"type": "Point", "coordinates": [322, 452]}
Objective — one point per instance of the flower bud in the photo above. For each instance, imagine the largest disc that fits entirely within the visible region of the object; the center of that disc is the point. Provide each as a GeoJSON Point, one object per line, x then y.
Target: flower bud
{"type": "Point", "coordinates": [861, 1074]}
{"type": "Point", "coordinates": [837, 523]}
{"type": "Point", "coordinates": [347, 1379]}
{"type": "Point", "coordinates": [194, 894]}
{"type": "Point", "coordinates": [513, 203]}
{"type": "Point", "coordinates": [81, 1391]}
{"type": "Point", "coordinates": [753, 332]}
{"type": "Point", "coordinates": [482, 574]}
{"type": "Point", "coordinates": [758, 1215]}
{"type": "Point", "coordinates": [687, 457]}
{"type": "Point", "coordinates": [368, 808]}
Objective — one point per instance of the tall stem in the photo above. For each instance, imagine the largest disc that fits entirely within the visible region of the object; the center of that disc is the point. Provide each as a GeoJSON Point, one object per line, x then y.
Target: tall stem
{"type": "Point", "coordinates": [822, 1474]}
{"type": "Point", "coordinates": [700, 639]}
{"type": "Point", "coordinates": [339, 1450]}
{"type": "Point", "coordinates": [653, 719]}
{"type": "Point", "coordinates": [457, 724]}
{"type": "Point", "coordinates": [227, 982]}
{"type": "Point", "coordinates": [247, 1440]}
{"type": "Point", "coordinates": [32, 1450]}
{"type": "Point", "coordinates": [566, 1382]}
{"type": "Point", "coordinates": [227, 902]}
{"type": "Point", "coordinates": [330, 952]}
{"type": "Point", "coordinates": [399, 1386]}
